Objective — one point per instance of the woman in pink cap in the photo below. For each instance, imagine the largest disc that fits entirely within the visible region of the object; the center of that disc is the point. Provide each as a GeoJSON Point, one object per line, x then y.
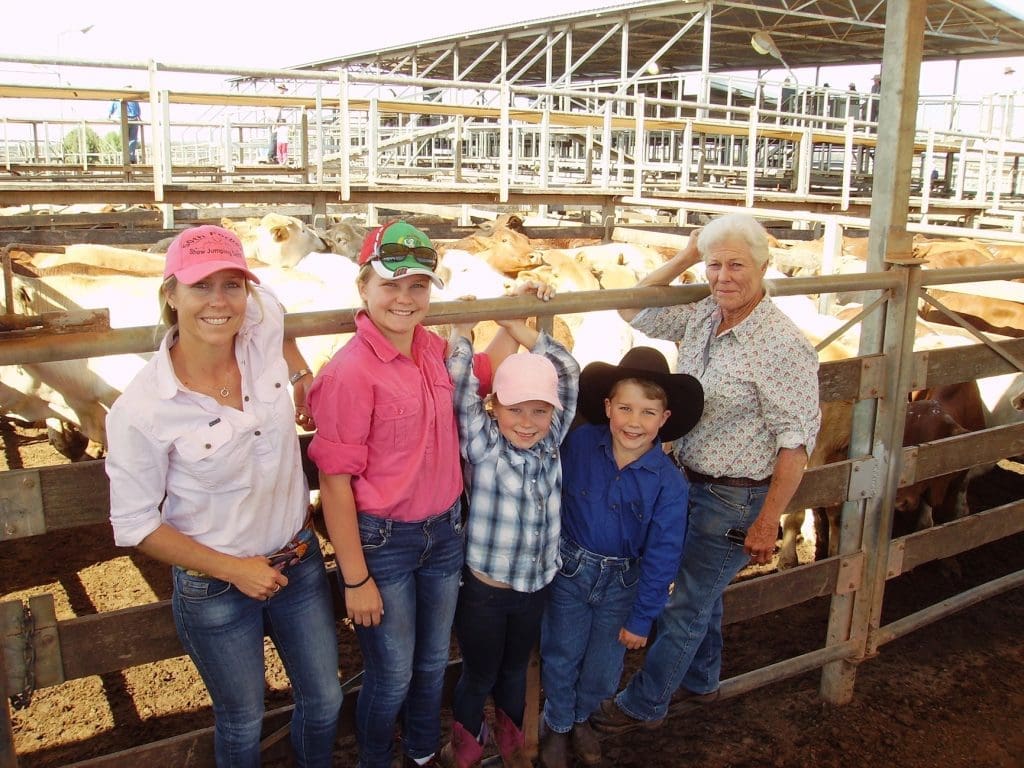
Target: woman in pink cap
{"type": "Point", "coordinates": [205, 474]}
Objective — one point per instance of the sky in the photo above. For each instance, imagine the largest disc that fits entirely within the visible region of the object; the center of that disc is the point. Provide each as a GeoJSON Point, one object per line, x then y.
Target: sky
{"type": "Point", "coordinates": [264, 34]}
{"type": "Point", "coordinates": [255, 33]}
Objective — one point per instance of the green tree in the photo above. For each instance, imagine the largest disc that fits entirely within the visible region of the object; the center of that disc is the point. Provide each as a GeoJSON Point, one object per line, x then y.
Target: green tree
{"type": "Point", "coordinates": [111, 145]}
{"type": "Point", "coordinates": [72, 145]}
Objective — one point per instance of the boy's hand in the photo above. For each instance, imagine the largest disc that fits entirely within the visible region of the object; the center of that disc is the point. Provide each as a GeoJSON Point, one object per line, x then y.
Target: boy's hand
{"type": "Point", "coordinates": [631, 641]}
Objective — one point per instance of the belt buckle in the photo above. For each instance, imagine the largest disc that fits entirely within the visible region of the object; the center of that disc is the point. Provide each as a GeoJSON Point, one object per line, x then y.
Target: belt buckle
{"type": "Point", "coordinates": [288, 557]}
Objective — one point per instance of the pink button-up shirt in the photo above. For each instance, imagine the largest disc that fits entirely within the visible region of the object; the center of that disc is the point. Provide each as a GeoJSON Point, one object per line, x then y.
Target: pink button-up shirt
{"type": "Point", "coordinates": [389, 422]}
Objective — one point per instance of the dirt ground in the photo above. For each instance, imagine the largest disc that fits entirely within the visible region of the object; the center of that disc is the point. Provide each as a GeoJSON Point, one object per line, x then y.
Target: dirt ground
{"type": "Point", "coordinates": [949, 695]}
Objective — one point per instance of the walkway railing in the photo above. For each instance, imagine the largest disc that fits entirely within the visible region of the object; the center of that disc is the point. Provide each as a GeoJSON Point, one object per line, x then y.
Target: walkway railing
{"type": "Point", "coordinates": [359, 129]}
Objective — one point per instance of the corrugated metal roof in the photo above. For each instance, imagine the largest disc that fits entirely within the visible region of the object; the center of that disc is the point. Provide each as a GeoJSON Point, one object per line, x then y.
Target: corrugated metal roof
{"type": "Point", "coordinates": [807, 33]}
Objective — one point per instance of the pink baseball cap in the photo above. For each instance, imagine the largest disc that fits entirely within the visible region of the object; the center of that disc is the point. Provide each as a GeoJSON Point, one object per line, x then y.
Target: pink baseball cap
{"type": "Point", "coordinates": [199, 252]}
{"type": "Point", "coordinates": [526, 376]}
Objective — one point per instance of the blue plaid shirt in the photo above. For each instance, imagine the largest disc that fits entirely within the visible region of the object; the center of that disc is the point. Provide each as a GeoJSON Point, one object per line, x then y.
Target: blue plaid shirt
{"type": "Point", "coordinates": [514, 494]}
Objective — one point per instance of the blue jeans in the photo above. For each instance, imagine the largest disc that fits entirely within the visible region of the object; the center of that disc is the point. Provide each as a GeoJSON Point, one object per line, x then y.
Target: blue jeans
{"type": "Point", "coordinates": [581, 657]}
{"type": "Point", "coordinates": [496, 628]}
{"type": "Point", "coordinates": [687, 650]}
{"type": "Point", "coordinates": [223, 629]}
{"type": "Point", "coordinates": [133, 143]}
{"type": "Point", "coordinates": [416, 567]}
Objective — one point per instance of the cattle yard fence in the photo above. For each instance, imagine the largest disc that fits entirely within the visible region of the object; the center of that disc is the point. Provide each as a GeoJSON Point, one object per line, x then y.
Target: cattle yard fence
{"type": "Point", "coordinates": [353, 129]}
{"type": "Point", "coordinates": [40, 650]}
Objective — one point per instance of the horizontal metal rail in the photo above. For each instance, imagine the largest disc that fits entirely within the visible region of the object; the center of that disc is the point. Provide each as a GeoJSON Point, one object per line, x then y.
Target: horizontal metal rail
{"type": "Point", "coordinates": [947, 607]}
{"type": "Point", "coordinates": [19, 348]}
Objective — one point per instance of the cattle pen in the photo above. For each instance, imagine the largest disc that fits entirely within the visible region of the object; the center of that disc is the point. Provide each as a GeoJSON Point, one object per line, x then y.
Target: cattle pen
{"type": "Point", "coordinates": [41, 650]}
{"type": "Point", "coordinates": [408, 133]}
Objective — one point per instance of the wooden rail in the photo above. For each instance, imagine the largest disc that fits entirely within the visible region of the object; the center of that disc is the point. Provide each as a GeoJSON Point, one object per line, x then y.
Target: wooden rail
{"type": "Point", "coordinates": [40, 500]}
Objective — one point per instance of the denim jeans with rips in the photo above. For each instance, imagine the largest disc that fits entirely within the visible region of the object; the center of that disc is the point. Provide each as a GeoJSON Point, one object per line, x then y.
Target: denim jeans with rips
{"type": "Point", "coordinates": [223, 629]}
{"type": "Point", "coordinates": [416, 567]}
{"type": "Point", "coordinates": [687, 649]}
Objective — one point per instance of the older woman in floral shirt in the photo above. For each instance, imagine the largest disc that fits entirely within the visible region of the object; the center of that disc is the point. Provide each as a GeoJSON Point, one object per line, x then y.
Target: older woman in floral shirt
{"type": "Point", "coordinates": [744, 459]}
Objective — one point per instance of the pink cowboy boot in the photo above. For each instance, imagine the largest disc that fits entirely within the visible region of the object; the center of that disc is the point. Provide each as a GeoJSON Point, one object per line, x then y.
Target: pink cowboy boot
{"type": "Point", "coordinates": [463, 751]}
{"type": "Point", "coordinates": [511, 742]}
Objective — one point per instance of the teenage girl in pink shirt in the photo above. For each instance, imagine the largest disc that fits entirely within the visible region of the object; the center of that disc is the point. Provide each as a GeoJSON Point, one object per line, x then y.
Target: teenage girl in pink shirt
{"type": "Point", "coordinates": [388, 452]}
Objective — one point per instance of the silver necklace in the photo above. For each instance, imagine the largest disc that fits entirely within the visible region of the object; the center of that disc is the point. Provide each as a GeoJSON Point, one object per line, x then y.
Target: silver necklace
{"type": "Point", "coordinates": [224, 392]}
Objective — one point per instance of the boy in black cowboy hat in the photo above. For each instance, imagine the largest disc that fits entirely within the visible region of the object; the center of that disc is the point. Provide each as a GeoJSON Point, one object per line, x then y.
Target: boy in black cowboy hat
{"type": "Point", "coordinates": [623, 527]}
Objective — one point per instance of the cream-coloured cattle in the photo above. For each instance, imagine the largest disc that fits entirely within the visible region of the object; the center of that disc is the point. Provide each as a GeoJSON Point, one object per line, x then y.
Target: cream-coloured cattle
{"type": "Point", "coordinates": [616, 277]}
{"type": "Point", "coordinates": [345, 237]}
{"type": "Point", "coordinates": [276, 240]}
{"type": "Point", "coordinates": [80, 392]}
{"type": "Point", "coordinates": [505, 249]}
{"type": "Point", "coordinates": [639, 259]}
{"type": "Point", "coordinates": [318, 282]}
{"type": "Point", "coordinates": [983, 312]}
{"type": "Point", "coordinates": [100, 257]}
{"type": "Point", "coordinates": [467, 274]}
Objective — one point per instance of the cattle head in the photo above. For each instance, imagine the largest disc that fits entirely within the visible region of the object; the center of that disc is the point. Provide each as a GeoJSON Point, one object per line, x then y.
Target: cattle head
{"type": "Point", "coordinates": [507, 251]}
{"type": "Point", "coordinates": [346, 238]}
{"type": "Point", "coordinates": [282, 241]}
{"type": "Point", "coordinates": [565, 272]}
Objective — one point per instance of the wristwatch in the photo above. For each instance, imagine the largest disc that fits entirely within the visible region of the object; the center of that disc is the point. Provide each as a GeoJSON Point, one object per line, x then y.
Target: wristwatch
{"type": "Point", "coordinates": [298, 375]}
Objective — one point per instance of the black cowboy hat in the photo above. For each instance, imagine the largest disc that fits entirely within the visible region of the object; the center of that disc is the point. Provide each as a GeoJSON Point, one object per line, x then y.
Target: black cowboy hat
{"type": "Point", "coordinates": [685, 394]}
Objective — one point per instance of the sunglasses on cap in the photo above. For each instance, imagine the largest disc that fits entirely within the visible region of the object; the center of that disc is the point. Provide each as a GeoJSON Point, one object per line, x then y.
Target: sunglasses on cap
{"type": "Point", "coordinates": [391, 255]}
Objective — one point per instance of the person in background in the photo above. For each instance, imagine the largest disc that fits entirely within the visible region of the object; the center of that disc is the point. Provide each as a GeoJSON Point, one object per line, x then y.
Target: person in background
{"type": "Point", "coordinates": [623, 527]}
{"type": "Point", "coordinates": [513, 479]}
{"type": "Point", "coordinates": [205, 474]}
{"type": "Point", "coordinates": [872, 103]}
{"type": "Point", "coordinates": [744, 459]}
{"type": "Point", "coordinates": [387, 449]}
{"type": "Point", "coordinates": [852, 101]}
{"type": "Point", "coordinates": [133, 113]}
{"type": "Point", "coordinates": [281, 134]}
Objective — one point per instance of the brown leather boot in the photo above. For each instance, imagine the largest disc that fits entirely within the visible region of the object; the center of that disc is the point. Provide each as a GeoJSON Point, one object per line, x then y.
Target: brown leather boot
{"type": "Point", "coordinates": [585, 744]}
{"type": "Point", "coordinates": [554, 749]}
{"type": "Point", "coordinates": [511, 742]}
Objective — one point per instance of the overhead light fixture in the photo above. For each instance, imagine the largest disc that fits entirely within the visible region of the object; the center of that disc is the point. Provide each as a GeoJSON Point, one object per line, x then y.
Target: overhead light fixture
{"type": "Point", "coordinates": [762, 42]}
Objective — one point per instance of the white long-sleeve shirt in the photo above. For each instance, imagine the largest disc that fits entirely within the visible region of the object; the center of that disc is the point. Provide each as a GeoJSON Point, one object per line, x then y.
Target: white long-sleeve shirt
{"type": "Point", "coordinates": [233, 479]}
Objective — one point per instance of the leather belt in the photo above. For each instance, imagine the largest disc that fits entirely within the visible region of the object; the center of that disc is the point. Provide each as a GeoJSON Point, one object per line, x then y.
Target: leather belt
{"type": "Point", "coordinates": [735, 482]}
{"type": "Point", "coordinates": [288, 555]}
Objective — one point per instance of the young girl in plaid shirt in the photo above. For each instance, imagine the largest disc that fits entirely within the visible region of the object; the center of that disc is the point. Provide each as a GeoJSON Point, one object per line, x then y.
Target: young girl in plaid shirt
{"type": "Point", "coordinates": [513, 477]}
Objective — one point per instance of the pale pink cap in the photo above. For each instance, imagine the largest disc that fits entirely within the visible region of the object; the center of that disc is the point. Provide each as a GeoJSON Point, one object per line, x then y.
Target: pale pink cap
{"type": "Point", "coordinates": [526, 376]}
{"type": "Point", "coordinates": [199, 252]}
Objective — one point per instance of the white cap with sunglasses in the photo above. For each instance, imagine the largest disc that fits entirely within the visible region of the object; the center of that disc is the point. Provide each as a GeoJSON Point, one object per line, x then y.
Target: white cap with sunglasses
{"type": "Point", "coordinates": [399, 249]}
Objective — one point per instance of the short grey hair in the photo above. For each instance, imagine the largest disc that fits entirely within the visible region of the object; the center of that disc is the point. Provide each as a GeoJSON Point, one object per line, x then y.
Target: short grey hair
{"type": "Point", "coordinates": [734, 226]}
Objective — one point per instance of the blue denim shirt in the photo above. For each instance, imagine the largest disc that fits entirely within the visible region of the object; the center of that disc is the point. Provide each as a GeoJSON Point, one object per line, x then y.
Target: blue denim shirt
{"type": "Point", "coordinates": [638, 511]}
